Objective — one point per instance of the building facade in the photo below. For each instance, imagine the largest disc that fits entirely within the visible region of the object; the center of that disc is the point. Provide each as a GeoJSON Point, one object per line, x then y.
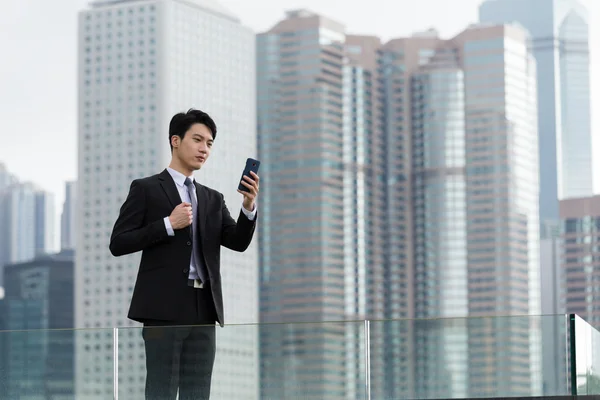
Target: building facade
{"type": "Point", "coordinates": [45, 228]}
{"type": "Point", "coordinates": [559, 31]}
{"type": "Point", "coordinates": [552, 277]}
{"type": "Point", "coordinates": [68, 225]}
{"type": "Point", "coordinates": [140, 62]}
{"type": "Point", "coordinates": [300, 80]}
{"type": "Point", "coordinates": [320, 139]}
{"type": "Point", "coordinates": [462, 183]}
{"type": "Point", "coordinates": [560, 44]}
{"type": "Point", "coordinates": [26, 223]}
{"type": "Point", "coordinates": [38, 353]}
{"type": "Point", "coordinates": [6, 178]}
{"type": "Point", "coordinates": [580, 266]}
{"type": "Point", "coordinates": [434, 168]}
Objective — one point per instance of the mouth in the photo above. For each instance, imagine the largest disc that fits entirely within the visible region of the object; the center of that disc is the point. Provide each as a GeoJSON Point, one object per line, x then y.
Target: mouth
{"type": "Point", "coordinates": [201, 159]}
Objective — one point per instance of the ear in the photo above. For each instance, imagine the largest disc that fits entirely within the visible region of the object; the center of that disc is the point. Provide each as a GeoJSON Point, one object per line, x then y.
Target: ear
{"type": "Point", "coordinates": [175, 141]}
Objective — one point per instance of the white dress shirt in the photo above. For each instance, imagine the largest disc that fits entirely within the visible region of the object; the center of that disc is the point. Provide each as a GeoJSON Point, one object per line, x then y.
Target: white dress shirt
{"type": "Point", "coordinates": [179, 179]}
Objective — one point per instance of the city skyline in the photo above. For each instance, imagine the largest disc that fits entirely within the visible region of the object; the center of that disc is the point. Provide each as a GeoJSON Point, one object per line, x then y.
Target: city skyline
{"type": "Point", "coordinates": [406, 197]}
{"type": "Point", "coordinates": [59, 22]}
{"type": "Point", "coordinates": [559, 34]}
{"type": "Point", "coordinates": [27, 220]}
{"type": "Point", "coordinates": [401, 183]}
{"type": "Point", "coordinates": [313, 238]}
{"type": "Point", "coordinates": [49, 230]}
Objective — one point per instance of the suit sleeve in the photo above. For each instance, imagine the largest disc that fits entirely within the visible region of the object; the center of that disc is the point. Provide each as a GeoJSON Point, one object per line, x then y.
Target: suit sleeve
{"type": "Point", "coordinates": [130, 233]}
{"type": "Point", "coordinates": [236, 236]}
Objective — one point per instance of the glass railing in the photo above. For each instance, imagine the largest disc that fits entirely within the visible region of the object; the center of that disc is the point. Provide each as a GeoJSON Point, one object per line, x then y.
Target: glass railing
{"type": "Point", "coordinates": [469, 358]}
{"type": "Point", "coordinates": [393, 359]}
{"type": "Point", "coordinates": [46, 364]}
{"type": "Point", "coordinates": [586, 359]}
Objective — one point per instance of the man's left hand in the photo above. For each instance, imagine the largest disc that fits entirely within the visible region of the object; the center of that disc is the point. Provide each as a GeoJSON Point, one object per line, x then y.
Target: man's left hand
{"type": "Point", "coordinates": [250, 182]}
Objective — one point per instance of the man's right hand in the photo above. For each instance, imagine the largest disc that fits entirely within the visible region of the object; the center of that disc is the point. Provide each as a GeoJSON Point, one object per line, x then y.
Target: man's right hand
{"type": "Point", "coordinates": [182, 216]}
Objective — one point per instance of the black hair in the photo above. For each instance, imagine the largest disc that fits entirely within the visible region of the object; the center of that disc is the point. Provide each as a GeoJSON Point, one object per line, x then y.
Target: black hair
{"type": "Point", "coordinates": [181, 123]}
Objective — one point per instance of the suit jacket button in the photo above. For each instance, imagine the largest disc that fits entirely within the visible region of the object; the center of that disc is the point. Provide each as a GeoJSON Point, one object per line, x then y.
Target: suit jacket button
{"type": "Point", "coordinates": [189, 243]}
{"type": "Point", "coordinates": [185, 271]}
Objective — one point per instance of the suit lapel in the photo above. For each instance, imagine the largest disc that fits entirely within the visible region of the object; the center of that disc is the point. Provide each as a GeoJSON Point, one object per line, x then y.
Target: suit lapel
{"type": "Point", "coordinates": [202, 206]}
{"type": "Point", "coordinates": [168, 185]}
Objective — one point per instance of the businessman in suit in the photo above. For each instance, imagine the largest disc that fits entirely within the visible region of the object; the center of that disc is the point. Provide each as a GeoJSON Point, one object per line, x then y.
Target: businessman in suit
{"type": "Point", "coordinates": [179, 226]}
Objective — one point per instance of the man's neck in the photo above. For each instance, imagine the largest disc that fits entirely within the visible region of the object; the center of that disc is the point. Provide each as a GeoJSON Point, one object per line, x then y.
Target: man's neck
{"type": "Point", "coordinates": [175, 166]}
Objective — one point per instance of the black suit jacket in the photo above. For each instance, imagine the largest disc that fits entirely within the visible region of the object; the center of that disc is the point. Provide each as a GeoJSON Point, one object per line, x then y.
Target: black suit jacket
{"type": "Point", "coordinates": [161, 291]}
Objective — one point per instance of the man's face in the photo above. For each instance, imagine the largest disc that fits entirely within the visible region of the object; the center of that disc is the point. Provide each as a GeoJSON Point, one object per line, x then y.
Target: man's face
{"type": "Point", "coordinates": [194, 149]}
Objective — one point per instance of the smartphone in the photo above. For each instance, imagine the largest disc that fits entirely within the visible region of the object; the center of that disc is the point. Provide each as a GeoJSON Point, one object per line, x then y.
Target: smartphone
{"type": "Point", "coordinates": [251, 165]}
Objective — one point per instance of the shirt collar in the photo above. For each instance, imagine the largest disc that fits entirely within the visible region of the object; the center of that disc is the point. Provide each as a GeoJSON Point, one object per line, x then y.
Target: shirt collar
{"type": "Point", "coordinates": [178, 177]}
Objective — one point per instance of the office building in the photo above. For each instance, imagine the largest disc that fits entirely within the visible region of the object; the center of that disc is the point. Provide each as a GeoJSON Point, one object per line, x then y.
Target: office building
{"type": "Point", "coordinates": [18, 239]}
{"type": "Point", "coordinates": [560, 44]}
{"type": "Point", "coordinates": [68, 225]}
{"type": "Point", "coordinates": [317, 121]}
{"type": "Point", "coordinates": [553, 304]}
{"type": "Point", "coordinates": [27, 223]}
{"type": "Point", "coordinates": [26, 220]}
{"type": "Point", "coordinates": [39, 348]}
{"type": "Point", "coordinates": [365, 218]}
{"type": "Point", "coordinates": [581, 268]}
{"type": "Point", "coordinates": [559, 30]}
{"type": "Point", "coordinates": [462, 183]}
{"type": "Point", "coordinates": [17, 232]}
{"type": "Point", "coordinates": [140, 62]}
{"type": "Point", "coordinates": [6, 178]}
{"type": "Point", "coordinates": [45, 234]}
{"type": "Point", "coordinates": [390, 200]}
{"type": "Point", "coordinates": [552, 273]}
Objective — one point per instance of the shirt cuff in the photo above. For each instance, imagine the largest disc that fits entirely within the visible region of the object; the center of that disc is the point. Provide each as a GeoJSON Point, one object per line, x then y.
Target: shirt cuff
{"type": "Point", "coordinates": [170, 230]}
{"type": "Point", "coordinates": [251, 215]}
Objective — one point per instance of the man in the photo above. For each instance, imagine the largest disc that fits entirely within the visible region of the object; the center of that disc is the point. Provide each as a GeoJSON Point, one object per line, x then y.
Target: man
{"type": "Point", "coordinates": [180, 226]}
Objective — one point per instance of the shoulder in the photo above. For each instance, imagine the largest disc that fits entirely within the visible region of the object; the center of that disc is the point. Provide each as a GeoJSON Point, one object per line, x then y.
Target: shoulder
{"type": "Point", "coordinates": [149, 179]}
{"type": "Point", "coordinates": [145, 182]}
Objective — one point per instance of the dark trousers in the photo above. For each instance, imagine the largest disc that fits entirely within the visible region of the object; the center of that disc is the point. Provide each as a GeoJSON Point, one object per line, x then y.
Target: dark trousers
{"type": "Point", "coordinates": [179, 355]}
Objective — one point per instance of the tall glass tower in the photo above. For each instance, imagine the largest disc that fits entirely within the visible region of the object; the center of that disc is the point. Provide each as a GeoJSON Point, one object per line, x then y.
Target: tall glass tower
{"type": "Point", "coordinates": [560, 45]}
{"type": "Point", "coordinates": [318, 139]}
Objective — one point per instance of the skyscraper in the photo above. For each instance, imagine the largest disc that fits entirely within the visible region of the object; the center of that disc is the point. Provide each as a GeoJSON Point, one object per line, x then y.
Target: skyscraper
{"type": "Point", "coordinates": [559, 30]}
{"type": "Point", "coordinates": [432, 169]}
{"type": "Point", "coordinates": [462, 183]}
{"type": "Point", "coordinates": [68, 226]}
{"type": "Point", "coordinates": [315, 125]}
{"type": "Point", "coordinates": [140, 62]}
{"type": "Point", "coordinates": [27, 221]}
{"type": "Point", "coordinates": [552, 278]}
{"type": "Point", "coordinates": [560, 45]}
{"type": "Point", "coordinates": [45, 235]}
{"type": "Point", "coordinates": [365, 219]}
{"type": "Point", "coordinates": [580, 266]}
{"type": "Point", "coordinates": [6, 178]}
{"type": "Point", "coordinates": [38, 309]}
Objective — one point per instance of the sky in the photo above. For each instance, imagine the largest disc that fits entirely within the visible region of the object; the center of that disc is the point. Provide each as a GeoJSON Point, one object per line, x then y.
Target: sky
{"type": "Point", "coordinates": [38, 68]}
